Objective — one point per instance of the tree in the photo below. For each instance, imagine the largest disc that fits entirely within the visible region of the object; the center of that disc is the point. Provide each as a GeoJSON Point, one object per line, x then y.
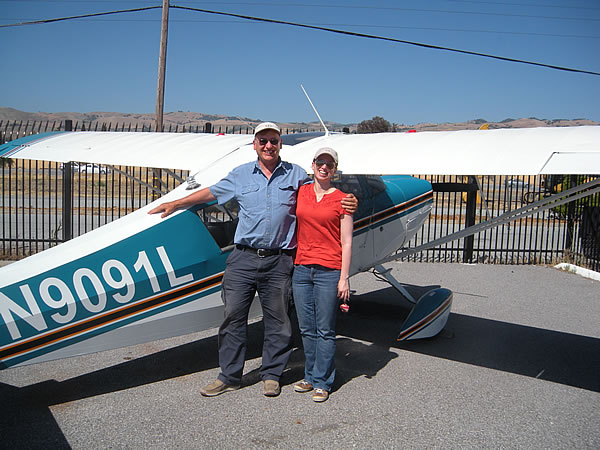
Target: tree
{"type": "Point", "coordinates": [375, 125]}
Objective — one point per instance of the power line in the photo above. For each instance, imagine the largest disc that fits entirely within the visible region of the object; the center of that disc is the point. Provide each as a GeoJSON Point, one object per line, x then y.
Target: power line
{"type": "Point", "coordinates": [83, 16]}
{"type": "Point", "coordinates": [527, 5]}
{"type": "Point", "coordinates": [370, 7]}
{"type": "Point", "coordinates": [382, 38]}
{"type": "Point", "coordinates": [461, 30]}
{"type": "Point", "coordinates": [362, 25]}
{"type": "Point", "coordinates": [313, 27]}
{"type": "Point", "coordinates": [400, 8]}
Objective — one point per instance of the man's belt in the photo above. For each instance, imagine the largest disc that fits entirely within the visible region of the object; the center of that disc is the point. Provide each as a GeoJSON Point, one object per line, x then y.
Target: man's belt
{"type": "Point", "coordinates": [264, 252]}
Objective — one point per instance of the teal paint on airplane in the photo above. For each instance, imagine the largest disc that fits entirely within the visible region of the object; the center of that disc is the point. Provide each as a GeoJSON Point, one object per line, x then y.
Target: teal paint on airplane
{"type": "Point", "coordinates": [6, 150]}
{"type": "Point", "coordinates": [157, 269]}
{"type": "Point", "coordinates": [392, 197]}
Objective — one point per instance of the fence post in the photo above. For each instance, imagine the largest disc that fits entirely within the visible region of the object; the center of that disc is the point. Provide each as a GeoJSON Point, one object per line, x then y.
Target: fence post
{"type": "Point", "coordinates": [470, 220]}
{"type": "Point", "coordinates": [571, 216]}
{"type": "Point", "coordinates": [67, 193]}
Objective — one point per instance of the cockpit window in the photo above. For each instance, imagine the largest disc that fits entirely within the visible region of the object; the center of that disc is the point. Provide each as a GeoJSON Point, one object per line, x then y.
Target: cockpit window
{"type": "Point", "coordinates": [221, 221]}
{"type": "Point", "coordinates": [376, 184]}
{"type": "Point", "coordinates": [350, 185]}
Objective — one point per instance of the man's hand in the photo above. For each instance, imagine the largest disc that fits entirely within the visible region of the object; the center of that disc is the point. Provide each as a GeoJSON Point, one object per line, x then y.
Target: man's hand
{"type": "Point", "coordinates": [350, 203]}
{"type": "Point", "coordinates": [166, 209]}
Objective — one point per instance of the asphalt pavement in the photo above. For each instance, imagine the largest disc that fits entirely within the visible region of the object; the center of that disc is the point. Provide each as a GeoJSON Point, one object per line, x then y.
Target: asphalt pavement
{"type": "Point", "coordinates": [517, 366]}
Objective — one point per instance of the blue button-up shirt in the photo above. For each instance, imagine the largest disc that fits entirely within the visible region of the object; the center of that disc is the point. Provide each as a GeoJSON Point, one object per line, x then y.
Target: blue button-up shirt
{"type": "Point", "coordinates": [267, 214]}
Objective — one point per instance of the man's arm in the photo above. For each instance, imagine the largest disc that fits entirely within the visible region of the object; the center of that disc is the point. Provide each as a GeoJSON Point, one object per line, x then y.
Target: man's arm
{"type": "Point", "coordinates": [168, 208]}
{"type": "Point", "coordinates": [350, 203]}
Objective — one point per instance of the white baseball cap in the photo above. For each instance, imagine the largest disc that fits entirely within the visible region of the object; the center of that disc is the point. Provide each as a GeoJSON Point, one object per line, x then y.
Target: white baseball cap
{"type": "Point", "coordinates": [266, 126]}
{"type": "Point", "coordinates": [327, 151]}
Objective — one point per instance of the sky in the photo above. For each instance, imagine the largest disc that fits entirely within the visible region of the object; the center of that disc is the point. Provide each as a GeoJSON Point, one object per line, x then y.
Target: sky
{"type": "Point", "coordinates": [225, 65]}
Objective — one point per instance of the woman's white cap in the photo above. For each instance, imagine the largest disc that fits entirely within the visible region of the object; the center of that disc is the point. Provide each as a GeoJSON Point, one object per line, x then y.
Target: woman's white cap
{"type": "Point", "coordinates": [327, 151]}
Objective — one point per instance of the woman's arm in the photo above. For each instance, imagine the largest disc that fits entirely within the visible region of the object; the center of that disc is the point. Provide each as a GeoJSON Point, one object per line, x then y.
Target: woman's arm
{"type": "Point", "coordinates": [346, 227]}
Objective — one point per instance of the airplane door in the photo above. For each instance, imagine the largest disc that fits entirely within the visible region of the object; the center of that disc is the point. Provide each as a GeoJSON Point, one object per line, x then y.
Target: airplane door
{"type": "Point", "coordinates": [361, 248]}
{"type": "Point", "coordinates": [387, 231]}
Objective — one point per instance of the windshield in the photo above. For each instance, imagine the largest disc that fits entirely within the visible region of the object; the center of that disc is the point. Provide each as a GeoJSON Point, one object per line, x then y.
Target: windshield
{"type": "Point", "coordinates": [297, 138]}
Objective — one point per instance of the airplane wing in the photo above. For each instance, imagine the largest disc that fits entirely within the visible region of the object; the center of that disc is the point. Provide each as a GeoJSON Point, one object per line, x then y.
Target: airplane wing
{"type": "Point", "coordinates": [186, 151]}
{"type": "Point", "coordinates": [523, 151]}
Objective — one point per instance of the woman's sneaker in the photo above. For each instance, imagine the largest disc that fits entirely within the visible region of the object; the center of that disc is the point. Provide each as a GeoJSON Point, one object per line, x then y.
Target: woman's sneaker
{"type": "Point", "coordinates": [303, 386]}
{"type": "Point", "coordinates": [320, 395]}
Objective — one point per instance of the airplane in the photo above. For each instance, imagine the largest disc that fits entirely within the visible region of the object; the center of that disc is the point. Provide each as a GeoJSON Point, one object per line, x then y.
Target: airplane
{"type": "Point", "coordinates": [143, 278]}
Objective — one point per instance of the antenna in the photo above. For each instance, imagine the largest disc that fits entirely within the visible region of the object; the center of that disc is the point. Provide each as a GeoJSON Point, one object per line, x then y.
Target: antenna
{"type": "Point", "coordinates": [315, 110]}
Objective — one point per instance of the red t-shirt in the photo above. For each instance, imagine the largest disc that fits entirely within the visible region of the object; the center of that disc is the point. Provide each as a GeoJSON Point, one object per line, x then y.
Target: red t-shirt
{"type": "Point", "coordinates": [319, 228]}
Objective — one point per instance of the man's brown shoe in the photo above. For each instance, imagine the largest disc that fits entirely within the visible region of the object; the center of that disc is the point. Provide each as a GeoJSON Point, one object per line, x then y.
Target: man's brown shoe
{"type": "Point", "coordinates": [272, 388]}
{"type": "Point", "coordinates": [217, 388]}
{"type": "Point", "coordinates": [320, 395]}
{"type": "Point", "coordinates": [303, 386]}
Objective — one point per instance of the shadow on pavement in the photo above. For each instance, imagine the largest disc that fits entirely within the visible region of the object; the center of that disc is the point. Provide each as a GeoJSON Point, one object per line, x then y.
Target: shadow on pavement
{"type": "Point", "coordinates": [25, 417]}
{"type": "Point", "coordinates": [559, 357]}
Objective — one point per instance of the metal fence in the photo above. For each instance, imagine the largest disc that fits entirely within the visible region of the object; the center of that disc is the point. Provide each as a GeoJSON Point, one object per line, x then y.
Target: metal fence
{"type": "Point", "coordinates": [567, 233]}
{"type": "Point", "coordinates": [40, 210]}
{"type": "Point", "coordinates": [41, 207]}
{"type": "Point", "coordinates": [14, 129]}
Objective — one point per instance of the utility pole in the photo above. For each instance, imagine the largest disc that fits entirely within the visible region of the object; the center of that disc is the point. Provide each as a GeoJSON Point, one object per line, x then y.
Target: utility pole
{"type": "Point", "coordinates": [160, 90]}
{"type": "Point", "coordinates": [162, 63]}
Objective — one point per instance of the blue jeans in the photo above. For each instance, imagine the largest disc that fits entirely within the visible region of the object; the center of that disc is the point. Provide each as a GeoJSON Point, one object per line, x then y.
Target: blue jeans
{"type": "Point", "coordinates": [315, 296]}
{"type": "Point", "coordinates": [246, 273]}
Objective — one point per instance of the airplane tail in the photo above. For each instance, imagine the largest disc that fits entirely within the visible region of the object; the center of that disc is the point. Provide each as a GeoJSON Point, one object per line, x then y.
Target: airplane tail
{"type": "Point", "coordinates": [429, 315]}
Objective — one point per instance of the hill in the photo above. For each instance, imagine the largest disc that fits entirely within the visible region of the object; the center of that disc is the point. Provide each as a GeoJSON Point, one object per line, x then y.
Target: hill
{"type": "Point", "coordinates": [194, 119]}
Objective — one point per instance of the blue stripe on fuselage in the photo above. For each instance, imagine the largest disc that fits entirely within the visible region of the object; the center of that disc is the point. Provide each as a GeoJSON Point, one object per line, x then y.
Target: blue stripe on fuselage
{"type": "Point", "coordinates": [390, 214]}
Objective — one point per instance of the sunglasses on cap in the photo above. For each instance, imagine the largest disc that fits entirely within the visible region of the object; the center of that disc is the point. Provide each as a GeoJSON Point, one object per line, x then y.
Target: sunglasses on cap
{"type": "Point", "coordinates": [263, 141]}
{"type": "Point", "coordinates": [319, 162]}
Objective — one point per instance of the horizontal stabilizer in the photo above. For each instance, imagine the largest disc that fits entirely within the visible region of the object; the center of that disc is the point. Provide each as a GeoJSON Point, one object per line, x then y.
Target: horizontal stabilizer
{"type": "Point", "coordinates": [429, 315]}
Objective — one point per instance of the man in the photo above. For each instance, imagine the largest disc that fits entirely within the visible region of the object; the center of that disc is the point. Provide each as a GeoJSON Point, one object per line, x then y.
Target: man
{"type": "Point", "coordinates": [262, 260]}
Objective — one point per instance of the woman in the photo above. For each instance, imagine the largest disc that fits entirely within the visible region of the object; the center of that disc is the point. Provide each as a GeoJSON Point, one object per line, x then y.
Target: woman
{"type": "Point", "coordinates": [322, 266]}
